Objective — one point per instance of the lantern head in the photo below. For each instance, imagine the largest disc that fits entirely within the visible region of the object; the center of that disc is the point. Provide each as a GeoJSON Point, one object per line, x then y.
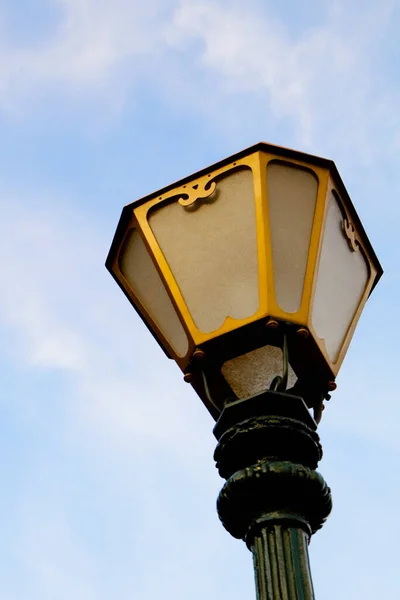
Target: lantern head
{"type": "Point", "coordinates": [251, 273]}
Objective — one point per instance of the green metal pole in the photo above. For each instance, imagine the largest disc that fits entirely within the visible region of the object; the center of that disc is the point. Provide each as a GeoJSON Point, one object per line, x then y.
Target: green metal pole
{"type": "Point", "coordinates": [281, 565]}
{"type": "Point", "coordinates": [273, 498]}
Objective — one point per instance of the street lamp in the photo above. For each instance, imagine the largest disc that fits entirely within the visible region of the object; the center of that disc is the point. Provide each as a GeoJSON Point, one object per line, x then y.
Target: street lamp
{"type": "Point", "coordinates": [252, 275]}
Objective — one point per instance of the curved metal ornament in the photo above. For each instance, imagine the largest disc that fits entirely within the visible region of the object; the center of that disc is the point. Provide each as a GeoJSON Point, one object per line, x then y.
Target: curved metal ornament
{"type": "Point", "coordinates": [190, 197]}
{"type": "Point", "coordinates": [351, 235]}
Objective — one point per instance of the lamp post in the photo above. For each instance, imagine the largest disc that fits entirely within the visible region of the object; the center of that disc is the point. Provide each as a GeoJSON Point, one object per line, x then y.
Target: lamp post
{"type": "Point", "coordinates": [252, 275]}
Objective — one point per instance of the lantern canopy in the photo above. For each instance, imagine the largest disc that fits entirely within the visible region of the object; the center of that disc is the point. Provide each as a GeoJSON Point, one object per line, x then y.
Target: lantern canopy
{"type": "Point", "coordinates": [253, 268]}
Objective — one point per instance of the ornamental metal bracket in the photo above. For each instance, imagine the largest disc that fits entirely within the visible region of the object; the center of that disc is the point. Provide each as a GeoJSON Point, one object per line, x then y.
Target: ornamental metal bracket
{"type": "Point", "coordinates": [351, 235]}
{"type": "Point", "coordinates": [189, 197]}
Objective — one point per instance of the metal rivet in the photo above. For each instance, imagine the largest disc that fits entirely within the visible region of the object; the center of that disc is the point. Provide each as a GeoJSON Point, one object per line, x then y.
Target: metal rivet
{"type": "Point", "coordinates": [272, 324]}
{"type": "Point", "coordinates": [332, 386]}
{"type": "Point", "coordinates": [303, 333]}
{"type": "Point", "coordinates": [198, 354]}
{"type": "Point", "coordinates": [188, 377]}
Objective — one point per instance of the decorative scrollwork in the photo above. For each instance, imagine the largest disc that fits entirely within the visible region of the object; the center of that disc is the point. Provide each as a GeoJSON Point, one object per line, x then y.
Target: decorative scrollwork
{"type": "Point", "coordinates": [266, 436]}
{"type": "Point", "coordinates": [351, 235]}
{"type": "Point", "coordinates": [269, 461]}
{"type": "Point", "coordinates": [189, 197]}
{"type": "Point", "coordinates": [270, 487]}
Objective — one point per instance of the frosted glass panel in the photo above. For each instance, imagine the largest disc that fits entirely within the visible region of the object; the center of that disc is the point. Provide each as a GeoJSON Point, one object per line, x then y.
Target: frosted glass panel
{"type": "Point", "coordinates": [138, 269]}
{"type": "Point", "coordinates": [212, 251]}
{"type": "Point", "coordinates": [253, 372]}
{"type": "Point", "coordinates": [341, 281]}
{"type": "Point", "coordinates": [292, 194]}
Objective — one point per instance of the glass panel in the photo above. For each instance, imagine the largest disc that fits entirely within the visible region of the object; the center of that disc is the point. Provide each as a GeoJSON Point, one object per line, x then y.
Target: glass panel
{"type": "Point", "coordinates": [253, 372]}
{"type": "Point", "coordinates": [211, 248]}
{"type": "Point", "coordinates": [341, 281]}
{"type": "Point", "coordinates": [138, 269]}
{"type": "Point", "coordinates": [292, 194]}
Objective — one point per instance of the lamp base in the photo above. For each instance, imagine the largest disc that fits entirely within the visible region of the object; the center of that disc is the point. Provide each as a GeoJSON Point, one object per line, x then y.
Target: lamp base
{"type": "Point", "coordinates": [273, 498]}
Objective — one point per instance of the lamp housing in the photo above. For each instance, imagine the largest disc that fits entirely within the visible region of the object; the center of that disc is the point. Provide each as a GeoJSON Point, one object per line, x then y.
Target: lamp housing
{"type": "Point", "coordinates": [257, 253]}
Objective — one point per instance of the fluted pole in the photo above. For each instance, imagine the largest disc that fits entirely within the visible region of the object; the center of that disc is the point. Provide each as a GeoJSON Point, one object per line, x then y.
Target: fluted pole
{"type": "Point", "coordinates": [273, 498]}
{"type": "Point", "coordinates": [281, 565]}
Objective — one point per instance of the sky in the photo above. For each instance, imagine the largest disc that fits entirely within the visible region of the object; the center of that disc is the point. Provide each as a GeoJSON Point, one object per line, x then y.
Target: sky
{"type": "Point", "coordinates": [108, 483]}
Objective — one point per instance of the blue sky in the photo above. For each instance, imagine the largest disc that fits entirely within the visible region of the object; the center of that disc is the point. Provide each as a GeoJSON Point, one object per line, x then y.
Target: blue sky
{"type": "Point", "coordinates": [108, 484]}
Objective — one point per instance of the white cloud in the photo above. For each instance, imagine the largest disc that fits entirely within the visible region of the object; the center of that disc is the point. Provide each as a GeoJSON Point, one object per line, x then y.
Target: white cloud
{"type": "Point", "coordinates": [250, 54]}
{"type": "Point", "coordinates": [88, 488]}
{"type": "Point", "coordinates": [83, 50]}
{"type": "Point", "coordinates": [67, 314]}
{"type": "Point", "coordinates": [214, 58]}
{"type": "Point", "coordinates": [321, 79]}
{"type": "Point", "coordinates": [37, 260]}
